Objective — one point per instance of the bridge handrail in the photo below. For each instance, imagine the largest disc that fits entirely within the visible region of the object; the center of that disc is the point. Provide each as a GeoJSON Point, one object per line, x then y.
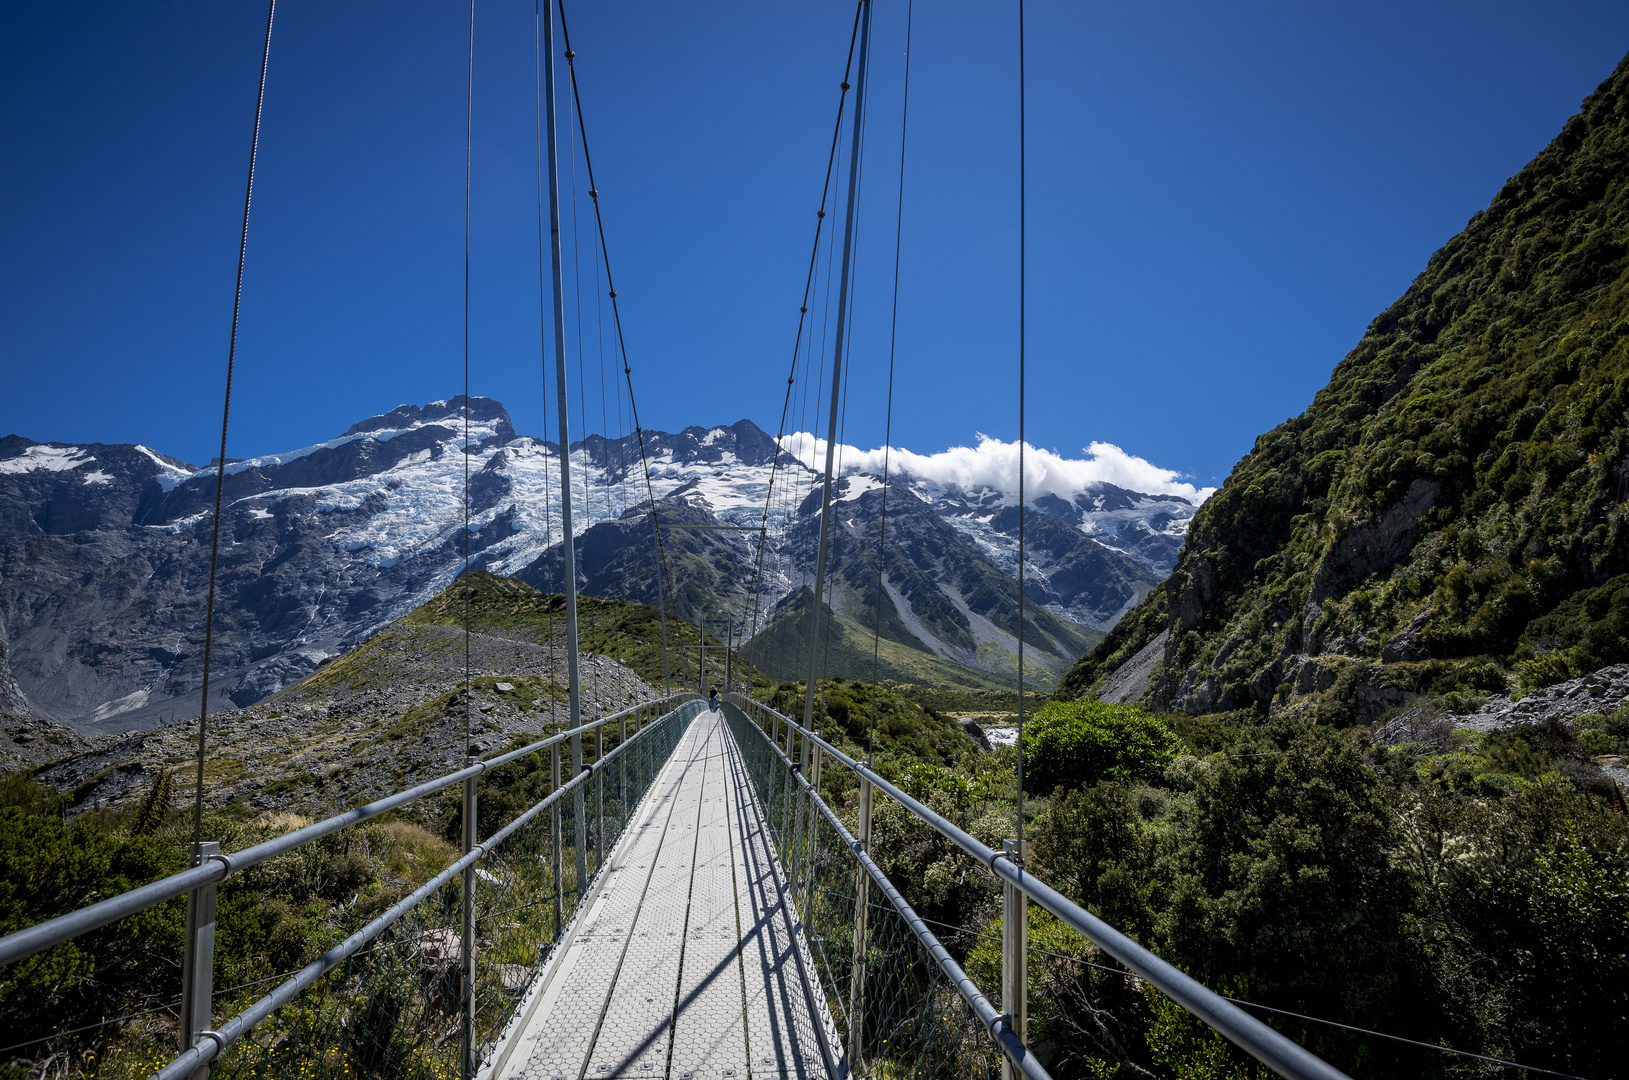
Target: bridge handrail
{"type": "Point", "coordinates": [24, 943]}
{"type": "Point", "coordinates": [216, 1043]}
{"type": "Point", "coordinates": [998, 1024]}
{"type": "Point", "coordinates": [1276, 1051]}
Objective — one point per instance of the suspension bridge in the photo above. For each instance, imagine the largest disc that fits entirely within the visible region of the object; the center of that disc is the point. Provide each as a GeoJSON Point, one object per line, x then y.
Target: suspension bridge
{"type": "Point", "coordinates": [683, 903]}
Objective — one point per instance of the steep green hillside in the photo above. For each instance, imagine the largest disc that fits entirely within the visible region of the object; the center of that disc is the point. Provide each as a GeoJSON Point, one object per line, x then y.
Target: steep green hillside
{"type": "Point", "coordinates": [1429, 521]}
{"type": "Point", "coordinates": [782, 650]}
{"type": "Point", "coordinates": [621, 630]}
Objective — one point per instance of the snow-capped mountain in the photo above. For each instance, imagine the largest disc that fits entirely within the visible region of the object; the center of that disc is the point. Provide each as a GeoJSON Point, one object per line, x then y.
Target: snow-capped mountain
{"type": "Point", "coordinates": [104, 549]}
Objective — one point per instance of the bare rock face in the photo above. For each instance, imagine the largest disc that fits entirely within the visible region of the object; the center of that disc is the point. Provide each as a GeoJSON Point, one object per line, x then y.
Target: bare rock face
{"type": "Point", "coordinates": [1402, 645]}
{"type": "Point", "coordinates": [12, 699]}
{"type": "Point", "coordinates": [104, 560]}
{"type": "Point", "coordinates": [973, 731]}
{"type": "Point", "coordinates": [1369, 546]}
{"type": "Point", "coordinates": [1131, 679]}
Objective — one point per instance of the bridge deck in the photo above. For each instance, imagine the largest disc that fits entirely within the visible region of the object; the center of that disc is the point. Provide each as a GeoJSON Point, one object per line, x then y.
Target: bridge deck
{"type": "Point", "coordinates": [688, 964]}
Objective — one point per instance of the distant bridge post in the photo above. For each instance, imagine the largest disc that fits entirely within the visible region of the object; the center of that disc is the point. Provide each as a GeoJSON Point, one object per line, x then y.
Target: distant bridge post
{"type": "Point", "coordinates": [862, 898]}
{"type": "Point", "coordinates": [466, 955]}
{"type": "Point", "coordinates": [198, 959]}
{"type": "Point", "coordinates": [1014, 957]}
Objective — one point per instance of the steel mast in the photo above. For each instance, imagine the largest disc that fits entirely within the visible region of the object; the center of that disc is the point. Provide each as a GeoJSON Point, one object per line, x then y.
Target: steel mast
{"type": "Point", "coordinates": [837, 365]}
{"type": "Point", "coordinates": [568, 553]}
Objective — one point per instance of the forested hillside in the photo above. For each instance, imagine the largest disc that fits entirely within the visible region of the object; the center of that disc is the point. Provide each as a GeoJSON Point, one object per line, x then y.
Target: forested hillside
{"type": "Point", "coordinates": [1450, 509]}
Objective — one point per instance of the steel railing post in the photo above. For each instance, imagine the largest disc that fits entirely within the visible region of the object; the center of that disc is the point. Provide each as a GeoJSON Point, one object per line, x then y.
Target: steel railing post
{"type": "Point", "coordinates": [1014, 957]}
{"type": "Point", "coordinates": [198, 959]}
{"type": "Point", "coordinates": [466, 954]}
{"type": "Point", "coordinates": [811, 762]}
{"type": "Point", "coordinates": [856, 980]}
{"type": "Point", "coordinates": [559, 842]}
{"type": "Point", "coordinates": [599, 799]}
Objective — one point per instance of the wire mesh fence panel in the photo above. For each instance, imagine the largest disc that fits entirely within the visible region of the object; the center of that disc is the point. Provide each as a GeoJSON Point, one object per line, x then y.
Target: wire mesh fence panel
{"type": "Point", "coordinates": [395, 1008]}
{"type": "Point", "coordinates": [896, 1004]}
{"type": "Point", "coordinates": [914, 1022]}
{"type": "Point", "coordinates": [391, 1009]}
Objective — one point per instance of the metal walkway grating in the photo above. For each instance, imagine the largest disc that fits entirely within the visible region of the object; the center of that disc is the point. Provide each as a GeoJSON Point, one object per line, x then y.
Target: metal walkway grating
{"type": "Point", "coordinates": [689, 964]}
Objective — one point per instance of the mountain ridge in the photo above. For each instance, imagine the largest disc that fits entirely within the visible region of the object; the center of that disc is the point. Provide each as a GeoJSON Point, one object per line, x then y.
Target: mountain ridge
{"type": "Point", "coordinates": [104, 548]}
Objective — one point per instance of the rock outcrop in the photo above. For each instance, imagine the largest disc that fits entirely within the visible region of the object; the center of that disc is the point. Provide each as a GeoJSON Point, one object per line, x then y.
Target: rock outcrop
{"type": "Point", "coordinates": [1602, 691]}
{"type": "Point", "coordinates": [12, 698]}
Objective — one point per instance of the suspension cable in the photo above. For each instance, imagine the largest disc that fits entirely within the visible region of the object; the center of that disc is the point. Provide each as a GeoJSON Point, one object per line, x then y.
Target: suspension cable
{"type": "Point", "coordinates": [888, 426]}
{"type": "Point", "coordinates": [469, 128]}
{"type": "Point", "coordinates": [803, 314]}
{"type": "Point", "coordinates": [1021, 301]}
{"type": "Point", "coordinates": [622, 346]}
{"type": "Point", "coordinates": [226, 412]}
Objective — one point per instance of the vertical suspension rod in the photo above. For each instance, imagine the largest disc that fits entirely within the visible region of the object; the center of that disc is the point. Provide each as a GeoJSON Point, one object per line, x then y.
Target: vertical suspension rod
{"type": "Point", "coordinates": [226, 413]}
{"type": "Point", "coordinates": [837, 364]}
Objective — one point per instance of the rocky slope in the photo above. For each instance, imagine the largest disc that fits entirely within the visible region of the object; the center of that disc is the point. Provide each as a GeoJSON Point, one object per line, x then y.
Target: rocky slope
{"type": "Point", "coordinates": [1450, 509]}
{"type": "Point", "coordinates": [104, 550]}
{"type": "Point", "coordinates": [387, 714]}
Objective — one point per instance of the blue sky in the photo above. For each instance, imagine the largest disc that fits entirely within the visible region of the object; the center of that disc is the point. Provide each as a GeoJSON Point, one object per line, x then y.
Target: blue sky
{"type": "Point", "coordinates": [1221, 198]}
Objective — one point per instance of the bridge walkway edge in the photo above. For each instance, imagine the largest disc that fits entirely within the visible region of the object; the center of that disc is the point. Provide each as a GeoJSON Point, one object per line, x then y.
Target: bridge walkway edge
{"type": "Point", "coordinates": [684, 961]}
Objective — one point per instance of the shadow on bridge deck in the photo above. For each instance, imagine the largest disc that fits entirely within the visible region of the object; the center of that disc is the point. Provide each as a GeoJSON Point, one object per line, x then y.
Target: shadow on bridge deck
{"type": "Point", "coordinates": [688, 964]}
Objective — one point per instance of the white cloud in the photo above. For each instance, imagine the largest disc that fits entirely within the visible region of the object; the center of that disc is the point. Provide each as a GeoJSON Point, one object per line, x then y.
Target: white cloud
{"type": "Point", "coordinates": [994, 464]}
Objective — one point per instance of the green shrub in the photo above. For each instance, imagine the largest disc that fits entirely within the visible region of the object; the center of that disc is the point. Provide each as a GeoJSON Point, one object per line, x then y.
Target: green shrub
{"type": "Point", "coordinates": [1591, 627]}
{"type": "Point", "coordinates": [1092, 848]}
{"type": "Point", "coordinates": [1280, 874]}
{"type": "Point", "coordinates": [49, 868]}
{"type": "Point", "coordinates": [923, 780]}
{"type": "Point", "coordinates": [1546, 669]}
{"type": "Point", "coordinates": [1073, 743]}
{"type": "Point", "coordinates": [1605, 734]}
